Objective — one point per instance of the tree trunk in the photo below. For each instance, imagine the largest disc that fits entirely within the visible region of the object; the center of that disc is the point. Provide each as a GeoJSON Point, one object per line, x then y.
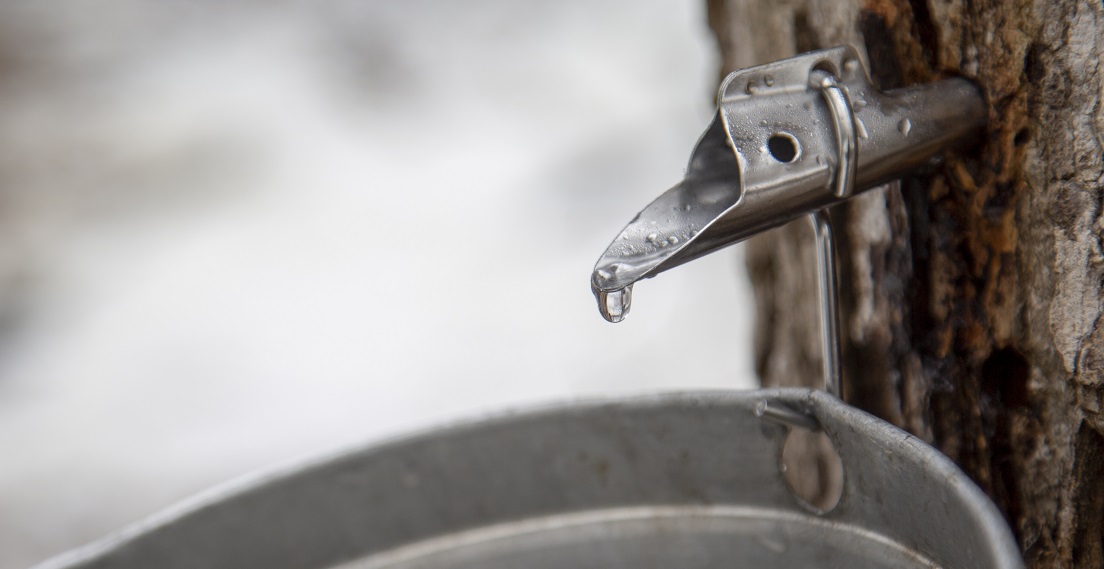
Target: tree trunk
{"type": "Point", "coordinates": [971, 297]}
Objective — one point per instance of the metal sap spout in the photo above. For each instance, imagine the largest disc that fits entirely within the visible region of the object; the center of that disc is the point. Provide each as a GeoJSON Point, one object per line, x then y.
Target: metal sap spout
{"type": "Point", "coordinates": [672, 229]}
{"type": "Point", "coordinates": [773, 153]}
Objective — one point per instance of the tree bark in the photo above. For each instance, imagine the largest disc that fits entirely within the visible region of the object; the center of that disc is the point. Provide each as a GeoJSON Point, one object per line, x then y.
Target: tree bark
{"type": "Point", "coordinates": [972, 306]}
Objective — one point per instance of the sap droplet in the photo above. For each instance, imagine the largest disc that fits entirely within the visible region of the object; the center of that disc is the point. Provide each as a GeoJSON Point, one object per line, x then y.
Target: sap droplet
{"type": "Point", "coordinates": [615, 304]}
{"type": "Point", "coordinates": [904, 126]}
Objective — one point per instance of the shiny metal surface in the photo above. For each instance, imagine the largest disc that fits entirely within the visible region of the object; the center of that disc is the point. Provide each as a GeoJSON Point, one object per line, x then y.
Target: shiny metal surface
{"type": "Point", "coordinates": [843, 121]}
{"type": "Point", "coordinates": [735, 186]}
{"type": "Point", "coordinates": [681, 480]}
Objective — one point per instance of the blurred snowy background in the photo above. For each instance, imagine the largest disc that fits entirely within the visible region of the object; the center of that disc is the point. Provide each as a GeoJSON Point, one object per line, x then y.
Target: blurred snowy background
{"type": "Point", "coordinates": [235, 234]}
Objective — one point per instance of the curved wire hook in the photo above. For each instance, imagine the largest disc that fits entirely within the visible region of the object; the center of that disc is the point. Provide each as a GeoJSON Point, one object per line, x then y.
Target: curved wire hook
{"type": "Point", "coordinates": [847, 159]}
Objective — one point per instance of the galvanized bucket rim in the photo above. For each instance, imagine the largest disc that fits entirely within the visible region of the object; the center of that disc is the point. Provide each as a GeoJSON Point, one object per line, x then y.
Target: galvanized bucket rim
{"type": "Point", "coordinates": [849, 428]}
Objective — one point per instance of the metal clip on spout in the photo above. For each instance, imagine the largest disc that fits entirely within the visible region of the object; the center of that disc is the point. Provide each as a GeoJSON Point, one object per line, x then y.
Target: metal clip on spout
{"type": "Point", "coordinates": [789, 138]}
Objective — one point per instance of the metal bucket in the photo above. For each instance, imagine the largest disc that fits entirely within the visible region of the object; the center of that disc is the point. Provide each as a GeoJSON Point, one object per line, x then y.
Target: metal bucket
{"type": "Point", "coordinates": [685, 480]}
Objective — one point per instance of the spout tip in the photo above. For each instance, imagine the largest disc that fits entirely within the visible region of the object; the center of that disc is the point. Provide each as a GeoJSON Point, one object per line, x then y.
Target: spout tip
{"type": "Point", "coordinates": [668, 231]}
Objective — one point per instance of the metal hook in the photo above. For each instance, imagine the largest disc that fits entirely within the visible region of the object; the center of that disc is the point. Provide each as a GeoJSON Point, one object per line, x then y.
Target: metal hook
{"type": "Point", "coordinates": [847, 149]}
{"type": "Point", "coordinates": [847, 159]}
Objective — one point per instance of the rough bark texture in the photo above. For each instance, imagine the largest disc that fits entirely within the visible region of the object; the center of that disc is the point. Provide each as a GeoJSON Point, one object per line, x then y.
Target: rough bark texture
{"type": "Point", "coordinates": [972, 300]}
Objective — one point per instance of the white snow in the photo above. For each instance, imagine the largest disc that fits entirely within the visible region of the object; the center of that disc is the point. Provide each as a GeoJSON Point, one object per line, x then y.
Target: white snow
{"type": "Point", "coordinates": [254, 232]}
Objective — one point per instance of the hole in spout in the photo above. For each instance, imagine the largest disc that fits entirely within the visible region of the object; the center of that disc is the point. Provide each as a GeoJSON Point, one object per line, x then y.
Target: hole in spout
{"type": "Point", "coordinates": [782, 147]}
{"type": "Point", "coordinates": [827, 67]}
{"type": "Point", "coordinates": [813, 470]}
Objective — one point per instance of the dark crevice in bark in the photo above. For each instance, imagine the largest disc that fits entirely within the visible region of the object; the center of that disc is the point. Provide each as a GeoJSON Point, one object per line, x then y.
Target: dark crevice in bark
{"type": "Point", "coordinates": [1033, 64]}
{"type": "Point", "coordinates": [1004, 377]}
{"type": "Point", "coordinates": [1088, 542]}
{"type": "Point", "coordinates": [926, 30]}
{"type": "Point", "coordinates": [918, 292]}
{"type": "Point", "coordinates": [885, 69]}
{"type": "Point", "coordinates": [1022, 137]}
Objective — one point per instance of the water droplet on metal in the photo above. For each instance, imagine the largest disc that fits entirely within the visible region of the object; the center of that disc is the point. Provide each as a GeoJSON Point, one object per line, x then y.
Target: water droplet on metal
{"type": "Point", "coordinates": [652, 237]}
{"type": "Point", "coordinates": [904, 126]}
{"type": "Point", "coordinates": [673, 240]}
